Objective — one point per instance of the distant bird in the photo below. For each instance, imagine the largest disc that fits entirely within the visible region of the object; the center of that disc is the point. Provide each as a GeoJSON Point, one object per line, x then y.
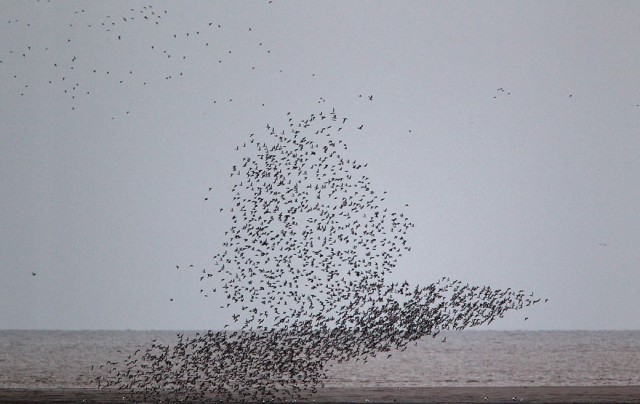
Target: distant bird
{"type": "Point", "coordinates": [33, 274]}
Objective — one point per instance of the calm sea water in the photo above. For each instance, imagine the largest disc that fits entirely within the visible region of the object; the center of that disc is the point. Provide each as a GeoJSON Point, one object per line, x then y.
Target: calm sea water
{"type": "Point", "coordinates": [52, 359]}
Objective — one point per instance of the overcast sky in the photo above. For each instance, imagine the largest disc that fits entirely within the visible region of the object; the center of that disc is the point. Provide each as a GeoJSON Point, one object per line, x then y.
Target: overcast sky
{"type": "Point", "coordinates": [511, 129]}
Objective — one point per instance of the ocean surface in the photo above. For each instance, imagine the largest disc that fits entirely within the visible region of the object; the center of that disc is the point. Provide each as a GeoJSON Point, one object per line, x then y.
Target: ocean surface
{"type": "Point", "coordinates": [71, 359]}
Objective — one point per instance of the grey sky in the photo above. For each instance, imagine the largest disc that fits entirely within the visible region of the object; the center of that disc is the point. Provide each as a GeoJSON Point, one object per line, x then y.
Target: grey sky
{"type": "Point", "coordinates": [534, 187]}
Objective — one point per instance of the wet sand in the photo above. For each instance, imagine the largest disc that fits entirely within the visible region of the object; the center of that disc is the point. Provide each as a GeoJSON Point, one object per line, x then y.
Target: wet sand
{"type": "Point", "coordinates": [533, 394]}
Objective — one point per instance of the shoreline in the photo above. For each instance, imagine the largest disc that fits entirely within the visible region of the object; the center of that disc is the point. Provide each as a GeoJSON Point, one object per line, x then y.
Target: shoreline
{"type": "Point", "coordinates": [525, 394]}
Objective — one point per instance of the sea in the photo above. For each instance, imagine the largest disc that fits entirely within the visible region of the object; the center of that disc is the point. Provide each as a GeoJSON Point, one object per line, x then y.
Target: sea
{"type": "Point", "coordinates": [72, 359]}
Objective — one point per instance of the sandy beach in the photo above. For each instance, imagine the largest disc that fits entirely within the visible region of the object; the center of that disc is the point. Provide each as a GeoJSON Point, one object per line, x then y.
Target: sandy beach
{"type": "Point", "coordinates": [534, 394]}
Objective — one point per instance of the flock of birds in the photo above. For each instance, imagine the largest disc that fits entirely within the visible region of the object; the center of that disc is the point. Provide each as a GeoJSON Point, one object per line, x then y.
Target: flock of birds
{"type": "Point", "coordinates": [304, 269]}
{"type": "Point", "coordinates": [305, 265]}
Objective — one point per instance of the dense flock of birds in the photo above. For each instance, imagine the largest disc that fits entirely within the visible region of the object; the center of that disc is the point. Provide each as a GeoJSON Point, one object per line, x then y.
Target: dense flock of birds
{"type": "Point", "coordinates": [305, 268]}
{"type": "Point", "coordinates": [305, 264]}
